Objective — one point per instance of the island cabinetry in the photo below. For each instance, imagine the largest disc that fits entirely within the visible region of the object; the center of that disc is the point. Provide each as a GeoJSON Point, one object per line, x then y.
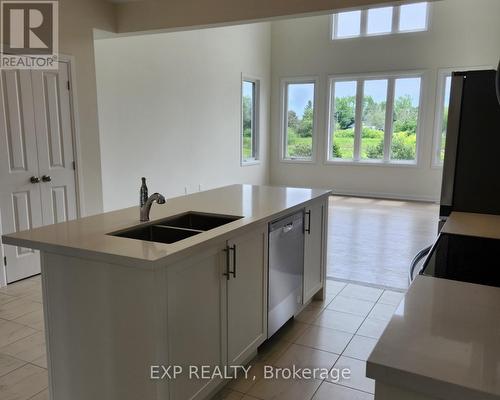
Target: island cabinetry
{"type": "Point", "coordinates": [315, 226]}
{"type": "Point", "coordinates": [247, 294]}
{"type": "Point", "coordinates": [217, 309]}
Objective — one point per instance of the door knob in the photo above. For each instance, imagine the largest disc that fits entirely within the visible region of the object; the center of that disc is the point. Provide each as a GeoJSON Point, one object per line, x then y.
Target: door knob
{"type": "Point", "coordinates": [46, 178]}
{"type": "Point", "coordinates": [35, 179]}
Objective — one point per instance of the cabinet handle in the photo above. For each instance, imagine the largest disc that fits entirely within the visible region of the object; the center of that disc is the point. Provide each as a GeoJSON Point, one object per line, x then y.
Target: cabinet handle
{"type": "Point", "coordinates": [234, 260]}
{"type": "Point", "coordinates": [226, 274]}
{"type": "Point", "coordinates": [308, 229]}
{"type": "Point", "coordinates": [35, 179]}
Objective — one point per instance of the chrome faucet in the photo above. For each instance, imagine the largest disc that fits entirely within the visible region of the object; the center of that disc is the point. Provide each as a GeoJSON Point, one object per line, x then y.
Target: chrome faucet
{"type": "Point", "coordinates": [146, 208]}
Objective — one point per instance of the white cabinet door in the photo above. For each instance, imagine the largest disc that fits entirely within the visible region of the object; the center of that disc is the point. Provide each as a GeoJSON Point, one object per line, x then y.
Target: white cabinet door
{"type": "Point", "coordinates": [246, 294]}
{"type": "Point", "coordinates": [196, 320]}
{"type": "Point", "coordinates": [55, 144]}
{"type": "Point", "coordinates": [20, 204]}
{"type": "Point", "coordinates": [313, 249]}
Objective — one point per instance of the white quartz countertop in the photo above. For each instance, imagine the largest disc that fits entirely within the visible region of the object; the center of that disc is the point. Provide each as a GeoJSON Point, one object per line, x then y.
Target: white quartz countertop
{"type": "Point", "coordinates": [89, 237]}
{"type": "Point", "coordinates": [444, 339]}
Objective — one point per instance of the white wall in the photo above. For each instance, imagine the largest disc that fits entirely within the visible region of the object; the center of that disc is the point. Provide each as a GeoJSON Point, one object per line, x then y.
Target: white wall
{"type": "Point", "coordinates": [169, 109]}
{"type": "Point", "coordinates": [77, 18]}
{"type": "Point", "coordinates": [462, 33]}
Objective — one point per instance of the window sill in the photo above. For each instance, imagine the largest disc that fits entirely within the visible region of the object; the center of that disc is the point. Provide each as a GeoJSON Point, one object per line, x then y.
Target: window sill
{"type": "Point", "coordinates": [366, 163]}
{"type": "Point", "coordinates": [298, 161]}
{"type": "Point", "coordinates": [249, 163]}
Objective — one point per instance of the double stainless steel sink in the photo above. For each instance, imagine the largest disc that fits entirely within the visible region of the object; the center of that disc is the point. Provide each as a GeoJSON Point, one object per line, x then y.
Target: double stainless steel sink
{"type": "Point", "coordinates": [177, 227]}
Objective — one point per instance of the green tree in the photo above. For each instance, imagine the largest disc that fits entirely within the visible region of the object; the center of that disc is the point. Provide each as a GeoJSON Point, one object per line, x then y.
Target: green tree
{"type": "Point", "coordinates": [247, 113]}
{"type": "Point", "coordinates": [345, 112]}
{"type": "Point", "coordinates": [305, 127]}
{"type": "Point", "coordinates": [373, 113]}
{"type": "Point", "coordinates": [405, 115]}
{"type": "Point", "coordinates": [293, 120]}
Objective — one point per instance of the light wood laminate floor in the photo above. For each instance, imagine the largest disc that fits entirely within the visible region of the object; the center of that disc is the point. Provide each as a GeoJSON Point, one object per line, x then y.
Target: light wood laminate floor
{"type": "Point", "coordinates": [373, 241]}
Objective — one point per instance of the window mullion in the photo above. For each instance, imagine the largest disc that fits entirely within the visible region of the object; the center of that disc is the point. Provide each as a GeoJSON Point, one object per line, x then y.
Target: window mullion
{"type": "Point", "coordinates": [284, 140]}
{"type": "Point", "coordinates": [395, 19]}
{"type": "Point", "coordinates": [364, 22]}
{"type": "Point", "coordinates": [389, 111]}
{"type": "Point", "coordinates": [331, 121]}
{"type": "Point", "coordinates": [358, 119]}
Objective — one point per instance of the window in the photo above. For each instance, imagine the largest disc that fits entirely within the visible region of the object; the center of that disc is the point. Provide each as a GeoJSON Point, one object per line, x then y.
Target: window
{"type": "Point", "coordinates": [413, 17]}
{"type": "Point", "coordinates": [380, 21]}
{"type": "Point", "coordinates": [249, 121]}
{"type": "Point", "coordinates": [298, 118]}
{"type": "Point", "coordinates": [348, 24]}
{"type": "Point", "coordinates": [374, 119]}
{"type": "Point", "coordinates": [443, 101]}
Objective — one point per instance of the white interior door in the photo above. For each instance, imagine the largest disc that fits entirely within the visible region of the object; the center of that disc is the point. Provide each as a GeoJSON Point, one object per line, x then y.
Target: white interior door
{"type": "Point", "coordinates": [36, 142]}
{"type": "Point", "coordinates": [55, 144]}
{"type": "Point", "coordinates": [20, 202]}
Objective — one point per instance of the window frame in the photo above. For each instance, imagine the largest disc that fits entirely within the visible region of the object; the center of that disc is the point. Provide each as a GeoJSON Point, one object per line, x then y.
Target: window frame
{"type": "Point", "coordinates": [256, 120]}
{"type": "Point", "coordinates": [388, 132]}
{"type": "Point", "coordinates": [438, 118]}
{"type": "Point", "coordinates": [284, 82]}
{"type": "Point", "coordinates": [364, 22]}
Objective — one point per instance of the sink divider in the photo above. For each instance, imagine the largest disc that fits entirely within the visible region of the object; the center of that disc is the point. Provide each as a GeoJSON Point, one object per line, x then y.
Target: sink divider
{"type": "Point", "coordinates": [180, 228]}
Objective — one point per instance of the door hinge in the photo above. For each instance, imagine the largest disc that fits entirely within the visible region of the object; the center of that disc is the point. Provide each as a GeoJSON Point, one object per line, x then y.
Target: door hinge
{"type": "Point", "coordinates": [74, 165]}
{"type": "Point", "coordinates": [69, 85]}
{"type": "Point", "coordinates": [5, 261]}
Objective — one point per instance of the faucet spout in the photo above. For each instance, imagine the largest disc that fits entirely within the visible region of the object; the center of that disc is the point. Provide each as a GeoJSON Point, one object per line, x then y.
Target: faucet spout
{"type": "Point", "coordinates": [146, 208]}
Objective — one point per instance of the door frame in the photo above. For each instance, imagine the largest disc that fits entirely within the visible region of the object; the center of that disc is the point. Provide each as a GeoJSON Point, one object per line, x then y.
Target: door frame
{"type": "Point", "coordinates": [75, 127]}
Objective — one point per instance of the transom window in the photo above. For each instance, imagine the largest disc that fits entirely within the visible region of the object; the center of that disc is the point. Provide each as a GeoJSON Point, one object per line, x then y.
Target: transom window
{"type": "Point", "coordinates": [298, 119]}
{"type": "Point", "coordinates": [249, 121]}
{"type": "Point", "coordinates": [380, 21]}
{"type": "Point", "coordinates": [374, 119]}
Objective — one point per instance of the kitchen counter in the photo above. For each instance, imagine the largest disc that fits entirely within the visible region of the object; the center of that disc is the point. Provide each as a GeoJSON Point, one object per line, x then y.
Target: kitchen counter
{"type": "Point", "coordinates": [472, 224]}
{"type": "Point", "coordinates": [89, 237]}
{"type": "Point", "coordinates": [443, 342]}
{"type": "Point", "coordinates": [116, 307]}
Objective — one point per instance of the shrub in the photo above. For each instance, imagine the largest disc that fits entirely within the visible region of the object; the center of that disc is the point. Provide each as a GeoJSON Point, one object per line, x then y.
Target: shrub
{"type": "Point", "coordinates": [375, 151]}
{"type": "Point", "coordinates": [344, 133]}
{"type": "Point", "coordinates": [370, 133]}
{"type": "Point", "coordinates": [403, 146]}
{"type": "Point", "coordinates": [301, 150]}
{"type": "Point", "coordinates": [336, 153]}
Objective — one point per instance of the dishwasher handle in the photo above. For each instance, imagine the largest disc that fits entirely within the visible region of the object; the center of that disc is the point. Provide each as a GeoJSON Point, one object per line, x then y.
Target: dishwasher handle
{"type": "Point", "coordinates": [288, 227]}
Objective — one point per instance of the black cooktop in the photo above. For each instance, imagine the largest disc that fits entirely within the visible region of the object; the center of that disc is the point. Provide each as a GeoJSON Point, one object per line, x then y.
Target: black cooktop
{"type": "Point", "coordinates": [465, 258]}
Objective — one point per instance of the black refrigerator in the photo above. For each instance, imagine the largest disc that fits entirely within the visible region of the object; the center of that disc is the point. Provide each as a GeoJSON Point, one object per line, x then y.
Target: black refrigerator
{"type": "Point", "coordinates": [471, 169]}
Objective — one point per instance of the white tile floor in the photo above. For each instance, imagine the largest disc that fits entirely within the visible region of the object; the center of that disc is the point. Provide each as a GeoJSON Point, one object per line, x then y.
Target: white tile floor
{"type": "Point", "coordinates": [23, 362]}
{"type": "Point", "coordinates": [340, 331]}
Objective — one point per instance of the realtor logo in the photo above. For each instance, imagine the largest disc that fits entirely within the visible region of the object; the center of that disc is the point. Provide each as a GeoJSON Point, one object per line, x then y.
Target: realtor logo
{"type": "Point", "coordinates": [29, 34]}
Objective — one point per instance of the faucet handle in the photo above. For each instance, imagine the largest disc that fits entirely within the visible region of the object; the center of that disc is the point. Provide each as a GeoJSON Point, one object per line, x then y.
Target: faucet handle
{"type": "Point", "coordinates": [160, 199]}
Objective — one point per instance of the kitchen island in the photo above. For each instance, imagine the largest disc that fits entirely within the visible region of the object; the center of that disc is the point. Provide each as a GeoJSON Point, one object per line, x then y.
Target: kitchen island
{"type": "Point", "coordinates": [443, 341]}
{"type": "Point", "coordinates": [118, 303]}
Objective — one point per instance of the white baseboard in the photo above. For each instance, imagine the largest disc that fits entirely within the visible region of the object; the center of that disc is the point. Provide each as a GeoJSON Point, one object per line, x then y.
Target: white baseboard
{"type": "Point", "coordinates": [388, 196]}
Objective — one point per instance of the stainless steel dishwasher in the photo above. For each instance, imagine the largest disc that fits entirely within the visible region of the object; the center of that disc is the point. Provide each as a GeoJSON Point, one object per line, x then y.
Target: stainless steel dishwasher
{"type": "Point", "coordinates": [286, 270]}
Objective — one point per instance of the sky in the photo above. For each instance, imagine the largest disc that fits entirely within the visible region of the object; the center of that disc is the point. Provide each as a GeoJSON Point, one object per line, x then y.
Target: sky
{"type": "Point", "coordinates": [298, 96]}
{"type": "Point", "coordinates": [247, 89]}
